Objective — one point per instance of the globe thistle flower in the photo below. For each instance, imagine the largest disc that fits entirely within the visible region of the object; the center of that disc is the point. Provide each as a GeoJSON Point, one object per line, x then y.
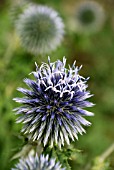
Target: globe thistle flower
{"type": "Point", "coordinates": [17, 8]}
{"type": "Point", "coordinates": [89, 17]}
{"type": "Point", "coordinates": [40, 29]}
{"type": "Point", "coordinates": [37, 163]}
{"type": "Point", "coordinates": [52, 109]}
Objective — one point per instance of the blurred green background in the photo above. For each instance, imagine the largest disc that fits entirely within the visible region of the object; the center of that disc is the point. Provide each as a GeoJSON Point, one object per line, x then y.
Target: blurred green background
{"type": "Point", "coordinates": [94, 51]}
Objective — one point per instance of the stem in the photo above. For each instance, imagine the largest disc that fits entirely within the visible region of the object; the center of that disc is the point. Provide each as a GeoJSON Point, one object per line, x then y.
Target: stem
{"type": "Point", "coordinates": [11, 48]}
{"type": "Point", "coordinates": [99, 162]}
{"type": "Point", "coordinates": [107, 153]}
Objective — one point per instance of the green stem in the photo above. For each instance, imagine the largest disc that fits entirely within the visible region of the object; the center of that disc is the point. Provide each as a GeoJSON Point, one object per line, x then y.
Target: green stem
{"type": "Point", "coordinates": [107, 153]}
{"type": "Point", "coordinates": [12, 45]}
{"type": "Point", "coordinates": [99, 162]}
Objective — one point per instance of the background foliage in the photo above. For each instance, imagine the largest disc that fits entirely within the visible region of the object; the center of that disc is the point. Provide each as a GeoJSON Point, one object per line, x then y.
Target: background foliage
{"type": "Point", "coordinates": [95, 52]}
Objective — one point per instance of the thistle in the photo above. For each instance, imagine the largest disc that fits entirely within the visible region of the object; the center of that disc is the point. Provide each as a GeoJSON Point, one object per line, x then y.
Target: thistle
{"type": "Point", "coordinates": [52, 109]}
{"type": "Point", "coordinates": [89, 17]}
{"type": "Point", "coordinates": [37, 163]}
{"type": "Point", "coordinates": [40, 29]}
{"type": "Point", "coordinates": [17, 8]}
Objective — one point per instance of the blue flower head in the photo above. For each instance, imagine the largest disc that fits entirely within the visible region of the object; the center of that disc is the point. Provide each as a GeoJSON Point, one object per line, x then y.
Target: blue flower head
{"type": "Point", "coordinates": [89, 17]}
{"type": "Point", "coordinates": [53, 107]}
{"type": "Point", "coordinates": [37, 163]}
{"type": "Point", "coordinates": [40, 29]}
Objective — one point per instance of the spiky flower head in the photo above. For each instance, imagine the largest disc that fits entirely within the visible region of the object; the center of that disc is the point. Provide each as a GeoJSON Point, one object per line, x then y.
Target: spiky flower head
{"type": "Point", "coordinates": [37, 163]}
{"type": "Point", "coordinates": [89, 17]}
{"type": "Point", "coordinates": [40, 29]}
{"type": "Point", "coordinates": [52, 109]}
{"type": "Point", "coordinates": [17, 8]}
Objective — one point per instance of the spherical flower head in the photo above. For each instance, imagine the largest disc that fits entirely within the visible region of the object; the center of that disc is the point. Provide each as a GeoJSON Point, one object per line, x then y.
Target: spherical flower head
{"type": "Point", "coordinates": [40, 29]}
{"type": "Point", "coordinates": [89, 16]}
{"type": "Point", "coordinates": [52, 109]}
{"type": "Point", "coordinates": [37, 163]}
{"type": "Point", "coordinates": [17, 8]}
